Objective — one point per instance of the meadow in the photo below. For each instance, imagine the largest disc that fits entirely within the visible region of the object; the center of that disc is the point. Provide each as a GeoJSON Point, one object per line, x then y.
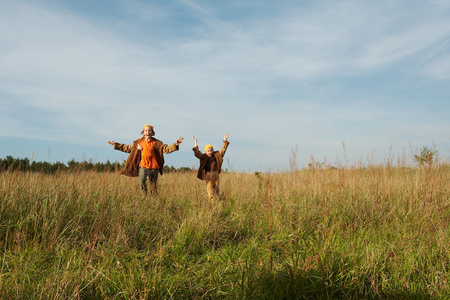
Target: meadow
{"type": "Point", "coordinates": [378, 232]}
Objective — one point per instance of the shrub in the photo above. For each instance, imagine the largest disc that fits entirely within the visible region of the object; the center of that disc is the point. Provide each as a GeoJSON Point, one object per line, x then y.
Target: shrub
{"type": "Point", "coordinates": [426, 156]}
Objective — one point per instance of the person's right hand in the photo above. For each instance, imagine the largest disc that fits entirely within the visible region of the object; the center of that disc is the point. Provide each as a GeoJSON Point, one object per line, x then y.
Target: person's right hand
{"type": "Point", "coordinates": [110, 142]}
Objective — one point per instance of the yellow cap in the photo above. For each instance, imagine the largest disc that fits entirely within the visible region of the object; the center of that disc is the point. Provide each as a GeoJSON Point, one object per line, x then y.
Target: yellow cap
{"type": "Point", "coordinates": [208, 146]}
{"type": "Point", "coordinates": [148, 125]}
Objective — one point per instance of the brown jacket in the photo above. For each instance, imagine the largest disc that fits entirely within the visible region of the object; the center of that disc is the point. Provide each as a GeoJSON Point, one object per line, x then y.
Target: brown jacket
{"type": "Point", "coordinates": [201, 174]}
{"type": "Point", "coordinates": [132, 164]}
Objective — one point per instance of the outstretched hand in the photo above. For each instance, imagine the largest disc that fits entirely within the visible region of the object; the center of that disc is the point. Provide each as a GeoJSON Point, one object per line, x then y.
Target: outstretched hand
{"type": "Point", "coordinates": [110, 142]}
{"type": "Point", "coordinates": [179, 141]}
{"type": "Point", "coordinates": [195, 141]}
{"type": "Point", "coordinates": [225, 137]}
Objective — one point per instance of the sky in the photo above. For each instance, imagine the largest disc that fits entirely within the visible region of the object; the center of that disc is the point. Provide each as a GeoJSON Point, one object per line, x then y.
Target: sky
{"type": "Point", "coordinates": [292, 82]}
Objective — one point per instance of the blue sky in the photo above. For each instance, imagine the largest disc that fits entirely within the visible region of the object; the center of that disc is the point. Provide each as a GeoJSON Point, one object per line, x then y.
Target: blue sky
{"type": "Point", "coordinates": [344, 82]}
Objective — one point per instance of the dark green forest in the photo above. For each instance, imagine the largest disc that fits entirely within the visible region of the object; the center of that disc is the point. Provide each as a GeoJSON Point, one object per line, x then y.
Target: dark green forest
{"type": "Point", "coordinates": [24, 164]}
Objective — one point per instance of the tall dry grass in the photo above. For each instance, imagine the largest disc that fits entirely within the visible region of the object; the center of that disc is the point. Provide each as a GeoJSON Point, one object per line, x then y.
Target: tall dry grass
{"type": "Point", "coordinates": [350, 233]}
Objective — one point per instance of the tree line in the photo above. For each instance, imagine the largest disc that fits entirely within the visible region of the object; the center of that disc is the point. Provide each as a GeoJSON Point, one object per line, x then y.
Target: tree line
{"type": "Point", "coordinates": [24, 164]}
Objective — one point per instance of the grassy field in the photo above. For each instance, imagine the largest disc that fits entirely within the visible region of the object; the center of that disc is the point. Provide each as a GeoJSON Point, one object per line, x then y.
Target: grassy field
{"type": "Point", "coordinates": [348, 233]}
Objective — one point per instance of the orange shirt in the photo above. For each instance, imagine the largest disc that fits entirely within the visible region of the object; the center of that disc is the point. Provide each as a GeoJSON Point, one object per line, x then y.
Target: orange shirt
{"type": "Point", "coordinates": [148, 157]}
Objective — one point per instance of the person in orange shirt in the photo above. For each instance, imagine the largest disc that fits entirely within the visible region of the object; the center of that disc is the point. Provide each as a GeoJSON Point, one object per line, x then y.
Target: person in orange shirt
{"type": "Point", "coordinates": [146, 157]}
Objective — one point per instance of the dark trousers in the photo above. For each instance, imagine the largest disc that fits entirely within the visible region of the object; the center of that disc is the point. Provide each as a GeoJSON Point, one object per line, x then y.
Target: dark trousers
{"type": "Point", "coordinates": [152, 175]}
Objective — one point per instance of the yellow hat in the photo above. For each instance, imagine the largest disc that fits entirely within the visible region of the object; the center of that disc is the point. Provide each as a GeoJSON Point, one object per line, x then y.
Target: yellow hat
{"type": "Point", "coordinates": [208, 146]}
{"type": "Point", "coordinates": [148, 125]}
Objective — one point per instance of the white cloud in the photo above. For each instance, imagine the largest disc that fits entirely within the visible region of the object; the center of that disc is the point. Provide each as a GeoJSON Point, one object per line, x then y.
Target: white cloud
{"type": "Point", "coordinates": [270, 81]}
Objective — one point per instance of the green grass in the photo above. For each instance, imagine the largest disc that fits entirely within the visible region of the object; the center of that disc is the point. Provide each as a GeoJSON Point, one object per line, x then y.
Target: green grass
{"type": "Point", "coordinates": [373, 233]}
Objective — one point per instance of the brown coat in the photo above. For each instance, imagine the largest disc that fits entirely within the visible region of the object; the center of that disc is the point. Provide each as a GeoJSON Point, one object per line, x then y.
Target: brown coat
{"type": "Point", "coordinates": [132, 164]}
{"type": "Point", "coordinates": [201, 174]}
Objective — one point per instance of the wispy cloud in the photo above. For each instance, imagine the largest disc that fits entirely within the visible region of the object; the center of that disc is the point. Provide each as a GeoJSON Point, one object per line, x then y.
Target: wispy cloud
{"type": "Point", "coordinates": [271, 75]}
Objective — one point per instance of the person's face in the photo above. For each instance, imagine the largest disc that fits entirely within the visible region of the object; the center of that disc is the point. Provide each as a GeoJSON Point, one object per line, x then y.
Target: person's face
{"type": "Point", "coordinates": [148, 132]}
{"type": "Point", "coordinates": [209, 151]}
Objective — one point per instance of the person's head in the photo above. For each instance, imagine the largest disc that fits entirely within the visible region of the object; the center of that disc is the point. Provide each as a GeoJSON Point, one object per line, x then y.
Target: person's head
{"type": "Point", "coordinates": [148, 131]}
{"type": "Point", "coordinates": [209, 150]}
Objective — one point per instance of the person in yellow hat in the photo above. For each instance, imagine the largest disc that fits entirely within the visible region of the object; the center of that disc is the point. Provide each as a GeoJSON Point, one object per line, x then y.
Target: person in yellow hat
{"type": "Point", "coordinates": [146, 157]}
{"type": "Point", "coordinates": [211, 166]}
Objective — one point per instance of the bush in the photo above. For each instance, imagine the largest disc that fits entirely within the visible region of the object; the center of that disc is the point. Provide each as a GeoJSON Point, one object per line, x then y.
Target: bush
{"type": "Point", "coordinates": [426, 156]}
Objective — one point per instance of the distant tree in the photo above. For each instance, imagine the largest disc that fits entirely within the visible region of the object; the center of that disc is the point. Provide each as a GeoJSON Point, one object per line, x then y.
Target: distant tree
{"type": "Point", "coordinates": [59, 166]}
{"type": "Point", "coordinates": [12, 164]}
{"type": "Point", "coordinates": [168, 169]}
{"type": "Point", "coordinates": [72, 164]}
{"type": "Point", "coordinates": [45, 167]}
{"type": "Point", "coordinates": [16, 164]}
{"type": "Point", "coordinates": [185, 169]}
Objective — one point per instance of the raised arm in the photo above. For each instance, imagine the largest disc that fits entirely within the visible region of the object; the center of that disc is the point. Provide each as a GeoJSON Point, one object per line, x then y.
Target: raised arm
{"type": "Point", "coordinates": [197, 152]}
{"type": "Point", "coordinates": [224, 147]}
{"type": "Point", "coordinates": [121, 147]}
